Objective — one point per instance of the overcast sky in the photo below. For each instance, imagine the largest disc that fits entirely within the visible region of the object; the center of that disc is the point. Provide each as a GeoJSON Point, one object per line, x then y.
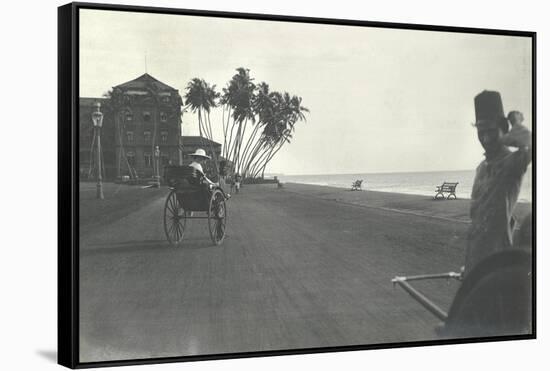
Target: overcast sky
{"type": "Point", "coordinates": [381, 100]}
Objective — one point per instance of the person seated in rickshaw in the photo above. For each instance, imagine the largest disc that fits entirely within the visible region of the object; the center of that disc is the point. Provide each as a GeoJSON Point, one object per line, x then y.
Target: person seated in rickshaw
{"type": "Point", "coordinates": [198, 159]}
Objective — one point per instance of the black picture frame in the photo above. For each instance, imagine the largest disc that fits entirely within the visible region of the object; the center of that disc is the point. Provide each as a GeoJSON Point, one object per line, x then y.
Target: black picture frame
{"type": "Point", "coordinates": [68, 191]}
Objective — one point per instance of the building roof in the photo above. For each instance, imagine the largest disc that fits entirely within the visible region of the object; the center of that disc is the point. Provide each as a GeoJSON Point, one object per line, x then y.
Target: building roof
{"type": "Point", "coordinates": [143, 82]}
{"type": "Point", "coordinates": [197, 141]}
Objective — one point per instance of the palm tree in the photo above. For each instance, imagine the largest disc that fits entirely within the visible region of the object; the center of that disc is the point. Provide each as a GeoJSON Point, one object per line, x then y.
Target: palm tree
{"type": "Point", "coordinates": [272, 113]}
{"type": "Point", "coordinates": [201, 98]}
{"type": "Point", "coordinates": [237, 99]}
{"type": "Point", "coordinates": [273, 116]}
{"type": "Point", "coordinates": [288, 112]}
{"type": "Point", "coordinates": [263, 107]}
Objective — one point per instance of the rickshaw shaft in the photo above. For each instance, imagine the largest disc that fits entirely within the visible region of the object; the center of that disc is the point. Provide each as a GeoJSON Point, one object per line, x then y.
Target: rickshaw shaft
{"type": "Point", "coordinates": [423, 300]}
{"type": "Point", "coordinates": [448, 275]}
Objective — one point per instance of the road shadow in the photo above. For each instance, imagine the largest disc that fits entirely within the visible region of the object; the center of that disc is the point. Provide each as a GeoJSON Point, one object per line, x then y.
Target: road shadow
{"type": "Point", "coordinates": [144, 246]}
{"type": "Point", "coordinates": [50, 355]}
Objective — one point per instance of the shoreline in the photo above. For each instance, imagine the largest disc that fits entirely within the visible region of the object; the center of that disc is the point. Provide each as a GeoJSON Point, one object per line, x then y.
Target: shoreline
{"type": "Point", "coordinates": [426, 194]}
{"type": "Point", "coordinates": [419, 205]}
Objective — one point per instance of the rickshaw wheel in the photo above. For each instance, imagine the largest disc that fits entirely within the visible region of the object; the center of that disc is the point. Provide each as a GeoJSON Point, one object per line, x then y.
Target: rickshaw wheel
{"type": "Point", "coordinates": [217, 217]}
{"type": "Point", "coordinates": [495, 298]}
{"type": "Point", "coordinates": [174, 219]}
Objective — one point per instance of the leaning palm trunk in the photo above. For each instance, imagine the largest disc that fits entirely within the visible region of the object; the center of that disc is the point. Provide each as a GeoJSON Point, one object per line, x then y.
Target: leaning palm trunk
{"type": "Point", "coordinates": [233, 141]}
{"type": "Point", "coordinates": [201, 129]}
{"type": "Point", "coordinates": [212, 149]}
{"type": "Point", "coordinates": [224, 132]}
{"type": "Point", "coordinates": [228, 141]}
{"type": "Point", "coordinates": [271, 155]}
{"type": "Point", "coordinates": [254, 154]}
{"type": "Point", "coordinates": [208, 126]}
{"type": "Point", "coordinates": [261, 158]}
{"type": "Point", "coordinates": [261, 162]}
{"type": "Point", "coordinates": [239, 152]}
{"type": "Point", "coordinates": [237, 145]}
{"type": "Point", "coordinates": [249, 145]}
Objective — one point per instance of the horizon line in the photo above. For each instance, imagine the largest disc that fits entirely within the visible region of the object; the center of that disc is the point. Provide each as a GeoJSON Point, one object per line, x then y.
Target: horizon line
{"type": "Point", "coordinates": [377, 172]}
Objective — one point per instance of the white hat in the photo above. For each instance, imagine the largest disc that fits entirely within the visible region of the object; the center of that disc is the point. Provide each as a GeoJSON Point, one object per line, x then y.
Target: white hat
{"type": "Point", "coordinates": [200, 153]}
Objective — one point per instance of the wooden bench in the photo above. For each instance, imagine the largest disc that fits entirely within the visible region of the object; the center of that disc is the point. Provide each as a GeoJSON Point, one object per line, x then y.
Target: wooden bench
{"type": "Point", "coordinates": [356, 186]}
{"type": "Point", "coordinates": [446, 187]}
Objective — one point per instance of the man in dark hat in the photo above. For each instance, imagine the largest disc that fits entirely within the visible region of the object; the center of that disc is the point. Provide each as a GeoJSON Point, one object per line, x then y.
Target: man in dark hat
{"type": "Point", "coordinates": [498, 178]}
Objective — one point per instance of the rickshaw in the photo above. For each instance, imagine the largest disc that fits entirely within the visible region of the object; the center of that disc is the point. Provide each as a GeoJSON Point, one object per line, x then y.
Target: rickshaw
{"type": "Point", "coordinates": [191, 197]}
{"type": "Point", "coordinates": [494, 298]}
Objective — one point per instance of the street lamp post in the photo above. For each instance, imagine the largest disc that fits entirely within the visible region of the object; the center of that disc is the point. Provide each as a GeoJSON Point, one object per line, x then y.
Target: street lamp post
{"type": "Point", "coordinates": [157, 163]}
{"type": "Point", "coordinates": [97, 119]}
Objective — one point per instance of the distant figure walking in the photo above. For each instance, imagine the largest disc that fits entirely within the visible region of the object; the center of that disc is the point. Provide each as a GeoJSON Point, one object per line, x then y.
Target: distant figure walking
{"type": "Point", "coordinates": [237, 182]}
{"type": "Point", "coordinates": [498, 178]}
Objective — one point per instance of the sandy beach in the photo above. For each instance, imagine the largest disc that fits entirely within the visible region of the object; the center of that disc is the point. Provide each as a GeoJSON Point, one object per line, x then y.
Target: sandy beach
{"type": "Point", "coordinates": [302, 267]}
{"type": "Point", "coordinates": [420, 205]}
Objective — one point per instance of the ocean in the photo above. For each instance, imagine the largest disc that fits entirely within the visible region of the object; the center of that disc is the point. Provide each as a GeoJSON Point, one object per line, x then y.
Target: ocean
{"type": "Point", "coordinates": [419, 183]}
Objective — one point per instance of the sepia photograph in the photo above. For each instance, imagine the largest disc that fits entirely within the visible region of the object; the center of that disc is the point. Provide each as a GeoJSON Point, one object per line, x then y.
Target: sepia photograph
{"type": "Point", "coordinates": [253, 185]}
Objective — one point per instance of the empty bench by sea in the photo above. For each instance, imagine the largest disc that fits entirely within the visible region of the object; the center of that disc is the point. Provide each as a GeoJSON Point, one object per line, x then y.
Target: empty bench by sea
{"type": "Point", "coordinates": [446, 187]}
{"type": "Point", "coordinates": [356, 186]}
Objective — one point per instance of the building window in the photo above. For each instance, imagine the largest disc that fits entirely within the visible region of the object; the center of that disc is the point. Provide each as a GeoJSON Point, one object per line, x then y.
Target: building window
{"type": "Point", "coordinates": [147, 136]}
{"type": "Point", "coordinates": [163, 117]}
{"type": "Point", "coordinates": [148, 159]}
{"type": "Point", "coordinates": [129, 116]}
{"type": "Point", "coordinates": [146, 116]}
{"type": "Point", "coordinates": [166, 99]}
{"type": "Point", "coordinates": [131, 156]}
{"type": "Point", "coordinates": [164, 136]}
{"type": "Point", "coordinates": [130, 136]}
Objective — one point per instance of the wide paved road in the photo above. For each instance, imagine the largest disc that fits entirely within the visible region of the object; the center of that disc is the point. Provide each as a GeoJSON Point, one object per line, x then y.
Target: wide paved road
{"type": "Point", "coordinates": [294, 272]}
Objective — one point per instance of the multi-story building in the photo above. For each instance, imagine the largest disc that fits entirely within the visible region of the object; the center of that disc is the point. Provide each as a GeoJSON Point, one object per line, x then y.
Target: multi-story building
{"type": "Point", "coordinates": [147, 115]}
{"type": "Point", "coordinates": [141, 128]}
{"type": "Point", "coordinates": [140, 115]}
